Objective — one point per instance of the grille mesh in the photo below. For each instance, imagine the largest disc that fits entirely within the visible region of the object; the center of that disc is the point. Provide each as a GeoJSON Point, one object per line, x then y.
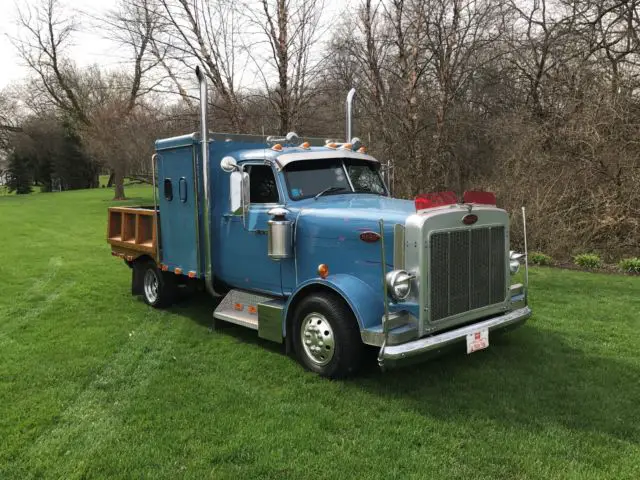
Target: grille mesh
{"type": "Point", "coordinates": [467, 270]}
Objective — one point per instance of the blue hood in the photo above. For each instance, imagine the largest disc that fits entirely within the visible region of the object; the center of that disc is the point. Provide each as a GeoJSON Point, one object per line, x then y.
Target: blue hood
{"type": "Point", "coordinates": [364, 207]}
{"type": "Point", "coordinates": [328, 231]}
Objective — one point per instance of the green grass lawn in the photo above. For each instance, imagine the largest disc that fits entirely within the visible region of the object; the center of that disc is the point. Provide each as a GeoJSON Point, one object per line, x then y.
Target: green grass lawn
{"type": "Point", "coordinates": [95, 384]}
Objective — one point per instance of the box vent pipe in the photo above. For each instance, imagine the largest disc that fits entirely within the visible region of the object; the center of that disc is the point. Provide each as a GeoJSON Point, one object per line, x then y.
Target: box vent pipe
{"type": "Point", "coordinates": [204, 142]}
{"type": "Point", "coordinates": [349, 132]}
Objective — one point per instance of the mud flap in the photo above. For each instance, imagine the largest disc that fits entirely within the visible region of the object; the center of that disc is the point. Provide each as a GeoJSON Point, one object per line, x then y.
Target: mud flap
{"type": "Point", "coordinates": [137, 275]}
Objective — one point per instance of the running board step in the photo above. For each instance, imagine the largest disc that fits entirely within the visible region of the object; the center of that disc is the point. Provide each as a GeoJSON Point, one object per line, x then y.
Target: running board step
{"type": "Point", "coordinates": [241, 308]}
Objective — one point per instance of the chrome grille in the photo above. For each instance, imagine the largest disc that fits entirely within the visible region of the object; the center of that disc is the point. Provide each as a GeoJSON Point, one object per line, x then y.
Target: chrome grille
{"type": "Point", "coordinates": [467, 270]}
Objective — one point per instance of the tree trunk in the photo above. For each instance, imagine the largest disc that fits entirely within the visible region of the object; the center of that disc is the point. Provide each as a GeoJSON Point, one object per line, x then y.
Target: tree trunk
{"type": "Point", "coordinates": [118, 183]}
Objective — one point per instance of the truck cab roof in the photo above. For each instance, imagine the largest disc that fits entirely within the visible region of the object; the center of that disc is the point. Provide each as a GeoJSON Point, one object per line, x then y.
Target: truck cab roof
{"type": "Point", "coordinates": [317, 149]}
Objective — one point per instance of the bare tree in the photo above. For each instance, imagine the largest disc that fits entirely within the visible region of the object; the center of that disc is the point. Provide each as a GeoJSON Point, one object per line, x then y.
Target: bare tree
{"type": "Point", "coordinates": [205, 32]}
{"type": "Point", "coordinates": [48, 31]}
{"type": "Point", "coordinates": [289, 30]}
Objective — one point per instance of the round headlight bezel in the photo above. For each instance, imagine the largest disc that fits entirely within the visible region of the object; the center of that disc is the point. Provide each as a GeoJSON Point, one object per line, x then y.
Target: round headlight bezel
{"type": "Point", "coordinates": [514, 261]}
{"type": "Point", "coordinates": [514, 267]}
{"type": "Point", "coordinates": [399, 284]}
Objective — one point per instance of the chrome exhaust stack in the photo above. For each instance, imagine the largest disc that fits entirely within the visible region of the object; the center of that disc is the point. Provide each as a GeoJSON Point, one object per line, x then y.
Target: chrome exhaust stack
{"type": "Point", "coordinates": [204, 142]}
{"type": "Point", "coordinates": [349, 132]}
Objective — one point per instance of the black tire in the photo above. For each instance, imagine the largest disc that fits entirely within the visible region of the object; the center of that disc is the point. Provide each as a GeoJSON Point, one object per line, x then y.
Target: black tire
{"type": "Point", "coordinates": [311, 316]}
{"type": "Point", "coordinates": [166, 289]}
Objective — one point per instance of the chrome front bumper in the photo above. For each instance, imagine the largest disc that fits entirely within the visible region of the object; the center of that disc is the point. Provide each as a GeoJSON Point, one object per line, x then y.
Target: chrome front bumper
{"type": "Point", "coordinates": [397, 354]}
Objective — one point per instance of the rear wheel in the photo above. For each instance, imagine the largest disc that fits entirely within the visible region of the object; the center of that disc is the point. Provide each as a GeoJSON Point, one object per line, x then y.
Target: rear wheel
{"type": "Point", "coordinates": [326, 336]}
{"type": "Point", "coordinates": [158, 288]}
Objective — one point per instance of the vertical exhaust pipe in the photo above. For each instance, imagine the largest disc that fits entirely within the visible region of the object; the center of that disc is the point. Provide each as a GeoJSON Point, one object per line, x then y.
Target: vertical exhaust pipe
{"type": "Point", "coordinates": [349, 132]}
{"type": "Point", "coordinates": [206, 188]}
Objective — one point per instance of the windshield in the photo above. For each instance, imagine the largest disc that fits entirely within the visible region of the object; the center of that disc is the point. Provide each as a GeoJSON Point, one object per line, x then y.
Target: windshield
{"type": "Point", "coordinates": [308, 179]}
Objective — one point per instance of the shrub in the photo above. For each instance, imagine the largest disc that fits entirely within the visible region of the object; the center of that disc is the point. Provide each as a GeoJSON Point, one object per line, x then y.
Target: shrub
{"type": "Point", "coordinates": [588, 260]}
{"type": "Point", "coordinates": [631, 265]}
{"type": "Point", "coordinates": [539, 258]}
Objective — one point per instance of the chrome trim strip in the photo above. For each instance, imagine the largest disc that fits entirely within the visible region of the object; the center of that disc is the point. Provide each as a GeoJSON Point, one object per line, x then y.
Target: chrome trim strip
{"type": "Point", "coordinates": [156, 217]}
{"type": "Point", "coordinates": [253, 325]}
{"type": "Point", "coordinates": [385, 298]}
{"type": "Point", "coordinates": [394, 353]}
{"type": "Point", "coordinates": [398, 246]}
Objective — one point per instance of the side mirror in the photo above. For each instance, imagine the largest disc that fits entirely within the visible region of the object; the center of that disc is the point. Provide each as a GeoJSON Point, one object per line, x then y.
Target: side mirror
{"type": "Point", "coordinates": [239, 192]}
{"type": "Point", "coordinates": [229, 164]}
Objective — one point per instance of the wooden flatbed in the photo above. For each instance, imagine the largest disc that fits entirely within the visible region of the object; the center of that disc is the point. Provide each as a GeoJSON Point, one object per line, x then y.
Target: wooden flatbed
{"type": "Point", "coordinates": [132, 232]}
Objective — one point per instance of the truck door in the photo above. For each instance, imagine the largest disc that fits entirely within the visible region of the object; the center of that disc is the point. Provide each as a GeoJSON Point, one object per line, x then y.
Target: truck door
{"type": "Point", "coordinates": [178, 209]}
{"type": "Point", "coordinates": [247, 263]}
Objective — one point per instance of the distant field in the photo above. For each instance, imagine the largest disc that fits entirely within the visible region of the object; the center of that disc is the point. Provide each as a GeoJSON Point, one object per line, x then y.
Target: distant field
{"type": "Point", "coordinates": [94, 384]}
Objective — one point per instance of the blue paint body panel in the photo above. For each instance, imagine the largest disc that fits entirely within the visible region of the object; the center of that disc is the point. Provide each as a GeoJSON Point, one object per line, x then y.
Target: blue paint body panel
{"type": "Point", "coordinates": [326, 230]}
{"type": "Point", "coordinates": [179, 220]}
{"type": "Point", "coordinates": [358, 294]}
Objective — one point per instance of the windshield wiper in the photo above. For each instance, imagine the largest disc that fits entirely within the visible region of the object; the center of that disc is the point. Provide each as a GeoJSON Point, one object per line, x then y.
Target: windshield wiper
{"type": "Point", "coordinates": [328, 190]}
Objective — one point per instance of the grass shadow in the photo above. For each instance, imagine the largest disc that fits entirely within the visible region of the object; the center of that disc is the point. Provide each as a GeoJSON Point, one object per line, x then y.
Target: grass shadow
{"type": "Point", "coordinates": [199, 306]}
{"type": "Point", "coordinates": [531, 377]}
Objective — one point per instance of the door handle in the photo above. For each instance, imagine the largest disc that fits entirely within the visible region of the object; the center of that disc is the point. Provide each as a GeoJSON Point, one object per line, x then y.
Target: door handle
{"type": "Point", "coordinates": [182, 189]}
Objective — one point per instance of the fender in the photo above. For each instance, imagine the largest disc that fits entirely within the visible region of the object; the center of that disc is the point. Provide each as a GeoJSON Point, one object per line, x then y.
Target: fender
{"type": "Point", "coordinates": [361, 298]}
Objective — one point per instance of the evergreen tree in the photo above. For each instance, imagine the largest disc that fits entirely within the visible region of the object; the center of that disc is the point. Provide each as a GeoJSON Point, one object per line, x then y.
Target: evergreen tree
{"type": "Point", "coordinates": [72, 165]}
{"type": "Point", "coordinates": [20, 174]}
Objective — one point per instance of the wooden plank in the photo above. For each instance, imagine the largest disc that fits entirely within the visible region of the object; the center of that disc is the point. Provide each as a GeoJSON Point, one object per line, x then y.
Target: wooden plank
{"type": "Point", "coordinates": [132, 246]}
{"type": "Point", "coordinates": [134, 239]}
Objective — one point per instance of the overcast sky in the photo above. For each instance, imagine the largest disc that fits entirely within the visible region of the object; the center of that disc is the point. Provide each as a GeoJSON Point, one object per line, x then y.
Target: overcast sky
{"type": "Point", "coordinates": [88, 47]}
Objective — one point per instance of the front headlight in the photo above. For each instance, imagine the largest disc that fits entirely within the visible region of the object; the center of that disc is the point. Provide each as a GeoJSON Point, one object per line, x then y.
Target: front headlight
{"type": "Point", "coordinates": [514, 261]}
{"type": "Point", "coordinates": [399, 284]}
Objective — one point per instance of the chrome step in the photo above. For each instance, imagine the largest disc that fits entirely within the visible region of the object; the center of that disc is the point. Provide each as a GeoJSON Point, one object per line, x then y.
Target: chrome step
{"type": "Point", "coordinates": [241, 308]}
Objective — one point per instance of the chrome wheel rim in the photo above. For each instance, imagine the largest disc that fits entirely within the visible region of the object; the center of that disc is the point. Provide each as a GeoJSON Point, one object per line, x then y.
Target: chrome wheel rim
{"type": "Point", "coordinates": [151, 286]}
{"type": "Point", "coordinates": [317, 339]}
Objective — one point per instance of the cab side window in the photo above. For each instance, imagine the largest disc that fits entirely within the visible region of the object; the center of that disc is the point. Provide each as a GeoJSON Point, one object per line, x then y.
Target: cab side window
{"type": "Point", "coordinates": [263, 187]}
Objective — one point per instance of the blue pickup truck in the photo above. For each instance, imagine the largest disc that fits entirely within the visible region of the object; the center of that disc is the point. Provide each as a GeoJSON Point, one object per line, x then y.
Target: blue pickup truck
{"type": "Point", "coordinates": [300, 240]}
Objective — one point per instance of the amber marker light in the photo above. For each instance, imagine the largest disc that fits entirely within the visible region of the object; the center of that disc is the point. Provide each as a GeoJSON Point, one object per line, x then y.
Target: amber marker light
{"type": "Point", "coordinates": [346, 146]}
{"type": "Point", "coordinates": [362, 149]}
{"type": "Point", "coordinates": [323, 270]}
{"type": "Point", "coordinates": [277, 147]}
{"type": "Point", "coordinates": [331, 145]}
{"type": "Point", "coordinates": [178, 271]}
{"type": "Point", "coordinates": [305, 145]}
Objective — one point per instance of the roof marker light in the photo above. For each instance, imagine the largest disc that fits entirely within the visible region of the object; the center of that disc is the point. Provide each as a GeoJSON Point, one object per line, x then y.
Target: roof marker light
{"type": "Point", "coordinates": [362, 149]}
{"type": "Point", "coordinates": [305, 145]}
{"type": "Point", "coordinates": [346, 146]}
{"type": "Point", "coordinates": [277, 147]}
{"type": "Point", "coordinates": [332, 145]}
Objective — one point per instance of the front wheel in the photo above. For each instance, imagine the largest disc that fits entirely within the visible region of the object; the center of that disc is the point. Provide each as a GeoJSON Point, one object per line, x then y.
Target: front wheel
{"type": "Point", "coordinates": [158, 289]}
{"type": "Point", "coordinates": [326, 336]}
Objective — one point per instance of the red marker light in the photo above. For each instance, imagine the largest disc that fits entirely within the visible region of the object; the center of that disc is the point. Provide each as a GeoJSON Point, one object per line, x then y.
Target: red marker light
{"type": "Point", "coordinates": [469, 219]}
{"type": "Point", "coordinates": [437, 199]}
{"type": "Point", "coordinates": [481, 198]}
{"type": "Point", "coordinates": [369, 237]}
